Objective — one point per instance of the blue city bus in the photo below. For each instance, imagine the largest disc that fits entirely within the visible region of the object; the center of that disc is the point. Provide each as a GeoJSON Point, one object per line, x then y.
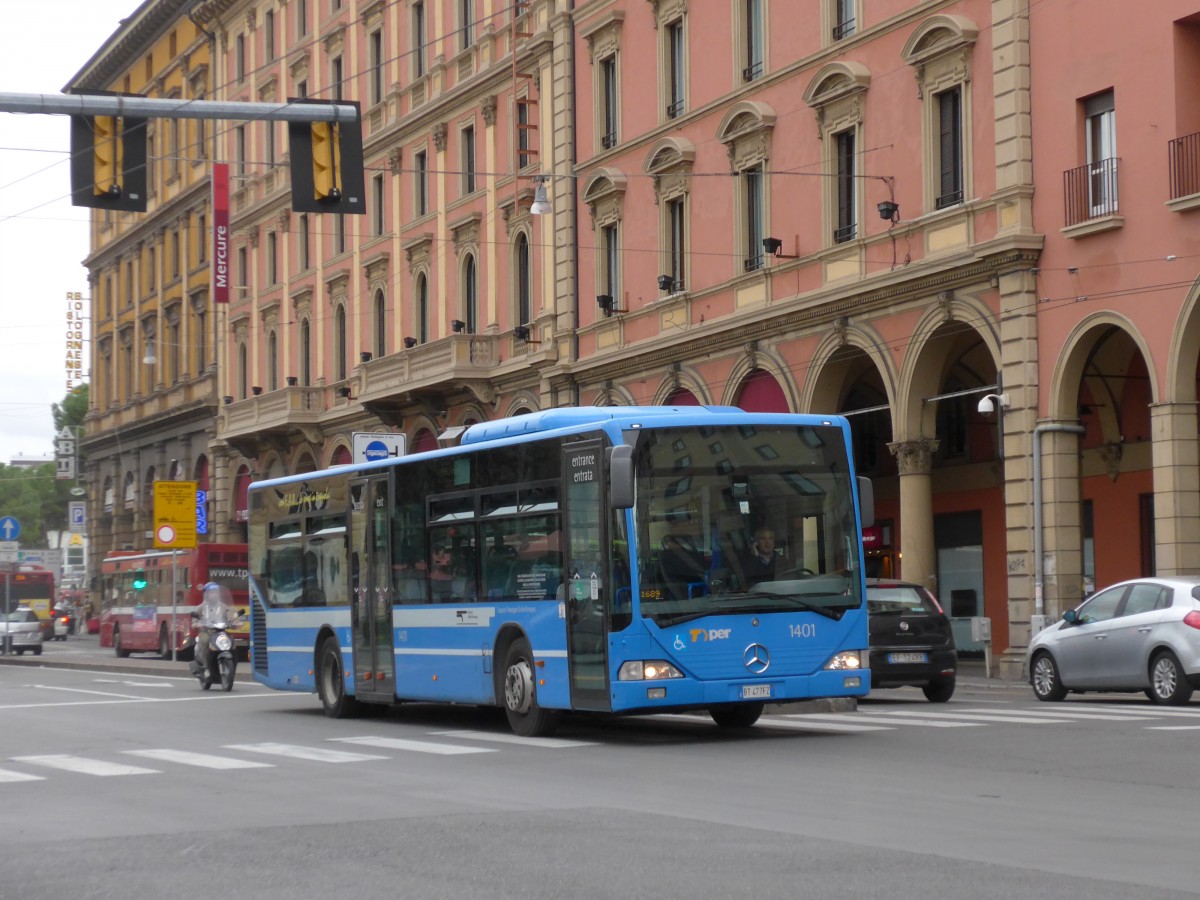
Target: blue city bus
{"type": "Point", "coordinates": [606, 559]}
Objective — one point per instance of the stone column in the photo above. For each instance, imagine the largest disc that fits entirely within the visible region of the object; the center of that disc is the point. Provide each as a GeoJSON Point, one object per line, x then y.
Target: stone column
{"type": "Point", "coordinates": [1176, 456]}
{"type": "Point", "coordinates": [1062, 534]}
{"type": "Point", "coordinates": [914, 459]}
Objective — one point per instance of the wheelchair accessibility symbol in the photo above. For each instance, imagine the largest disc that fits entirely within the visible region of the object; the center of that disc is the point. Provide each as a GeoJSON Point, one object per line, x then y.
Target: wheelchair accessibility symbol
{"type": "Point", "coordinates": [679, 644]}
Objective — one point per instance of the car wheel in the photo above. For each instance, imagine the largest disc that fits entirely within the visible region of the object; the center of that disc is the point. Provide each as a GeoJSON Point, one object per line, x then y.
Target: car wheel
{"type": "Point", "coordinates": [1047, 685]}
{"type": "Point", "coordinates": [19, 651]}
{"type": "Point", "coordinates": [117, 648]}
{"type": "Point", "coordinates": [525, 717]}
{"type": "Point", "coordinates": [1168, 684]}
{"type": "Point", "coordinates": [743, 715]}
{"type": "Point", "coordinates": [37, 651]}
{"type": "Point", "coordinates": [939, 691]}
{"type": "Point", "coordinates": [331, 683]}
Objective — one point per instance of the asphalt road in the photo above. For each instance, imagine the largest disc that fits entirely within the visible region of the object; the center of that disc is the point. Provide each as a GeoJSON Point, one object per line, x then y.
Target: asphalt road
{"type": "Point", "coordinates": [119, 783]}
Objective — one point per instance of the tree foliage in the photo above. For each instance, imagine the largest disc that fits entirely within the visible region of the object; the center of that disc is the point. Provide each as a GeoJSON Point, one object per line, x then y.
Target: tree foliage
{"type": "Point", "coordinates": [32, 494]}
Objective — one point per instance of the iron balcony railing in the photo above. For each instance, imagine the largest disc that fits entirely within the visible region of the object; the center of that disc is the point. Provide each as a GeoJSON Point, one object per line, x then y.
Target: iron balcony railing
{"type": "Point", "coordinates": [1090, 191]}
{"type": "Point", "coordinates": [1184, 162]}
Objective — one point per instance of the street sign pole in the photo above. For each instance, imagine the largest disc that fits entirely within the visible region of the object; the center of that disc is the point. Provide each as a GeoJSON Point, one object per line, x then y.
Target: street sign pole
{"type": "Point", "coordinates": [174, 606]}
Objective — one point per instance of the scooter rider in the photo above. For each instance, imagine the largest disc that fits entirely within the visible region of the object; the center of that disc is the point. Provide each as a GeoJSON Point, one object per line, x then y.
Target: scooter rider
{"type": "Point", "coordinates": [213, 608]}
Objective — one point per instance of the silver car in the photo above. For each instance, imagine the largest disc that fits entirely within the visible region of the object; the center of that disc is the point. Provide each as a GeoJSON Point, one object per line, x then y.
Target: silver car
{"type": "Point", "coordinates": [21, 630]}
{"type": "Point", "coordinates": [1139, 635]}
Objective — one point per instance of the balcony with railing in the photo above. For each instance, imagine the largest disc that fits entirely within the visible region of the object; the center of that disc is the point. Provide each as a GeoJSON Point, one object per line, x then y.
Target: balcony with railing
{"type": "Point", "coordinates": [1090, 198]}
{"type": "Point", "coordinates": [1183, 163]}
{"type": "Point", "coordinates": [273, 417]}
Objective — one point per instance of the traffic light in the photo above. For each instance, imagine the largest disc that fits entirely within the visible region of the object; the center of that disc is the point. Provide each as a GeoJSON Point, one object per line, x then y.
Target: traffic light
{"type": "Point", "coordinates": [108, 162]}
{"type": "Point", "coordinates": [139, 579]}
{"type": "Point", "coordinates": [327, 164]}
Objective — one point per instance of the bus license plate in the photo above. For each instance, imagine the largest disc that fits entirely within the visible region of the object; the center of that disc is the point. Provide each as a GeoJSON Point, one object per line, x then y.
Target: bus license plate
{"type": "Point", "coordinates": [756, 691]}
{"type": "Point", "coordinates": [907, 657]}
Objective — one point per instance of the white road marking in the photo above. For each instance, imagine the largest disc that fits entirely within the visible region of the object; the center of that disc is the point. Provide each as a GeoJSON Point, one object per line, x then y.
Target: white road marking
{"type": "Point", "coordinates": [413, 746]}
{"type": "Point", "coordinates": [831, 727]}
{"type": "Point", "coordinates": [314, 754]}
{"type": "Point", "coordinates": [1057, 714]}
{"type": "Point", "coordinates": [501, 738]}
{"type": "Point", "coordinates": [989, 716]}
{"type": "Point", "coordinates": [886, 721]}
{"type": "Point", "coordinates": [1173, 727]}
{"type": "Point", "coordinates": [205, 760]}
{"type": "Point", "coordinates": [83, 766]}
{"type": "Point", "coordinates": [8, 776]}
{"type": "Point", "coordinates": [149, 684]}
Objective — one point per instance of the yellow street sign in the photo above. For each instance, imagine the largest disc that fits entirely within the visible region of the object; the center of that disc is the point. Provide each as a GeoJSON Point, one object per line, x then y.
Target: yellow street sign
{"type": "Point", "coordinates": [76, 541]}
{"type": "Point", "coordinates": [174, 515]}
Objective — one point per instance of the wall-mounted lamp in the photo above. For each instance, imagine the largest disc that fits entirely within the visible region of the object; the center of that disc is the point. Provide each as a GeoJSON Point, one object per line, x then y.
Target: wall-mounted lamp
{"type": "Point", "coordinates": [150, 358]}
{"type": "Point", "coordinates": [521, 333]}
{"type": "Point", "coordinates": [256, 390]}
{"type": "Point", "coordinates": [606, 303]}
{"type": "Point", "coordinates": [344, 392]}
{"type": "Point", "coordinates": [227, 399]}
{"type": "Point", "coordinates": [541, 201]}
{"type": "Point", "coordinates": [409, 343]}
{"type": "Point", "coordinates": [987, 404]}
{"type": "Point", "coordinates": [458, 326]}
{"type": "Point", "coordinates": [365, 356]}
{"type": "Point", "coordinates": [292, 381]}
{"type": "Point", "coordinates": [667, 283]}
{"type": "Point", "coordinates": [889, 210]}
{"type": "Point", "coordinates": [774, 247]}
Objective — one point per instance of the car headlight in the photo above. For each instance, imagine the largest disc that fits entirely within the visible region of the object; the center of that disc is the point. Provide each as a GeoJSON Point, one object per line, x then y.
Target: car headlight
{"type": "Point", "coordinates": [223, 642]}
{"type": "Point", "coordinates": [848, 659]}
{"type": "Point", "coordinates": [647, 670]}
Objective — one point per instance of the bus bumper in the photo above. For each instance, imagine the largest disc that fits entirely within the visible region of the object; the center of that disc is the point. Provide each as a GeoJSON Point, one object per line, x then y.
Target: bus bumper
{"type": "Point", "coordinates": [683, 693]}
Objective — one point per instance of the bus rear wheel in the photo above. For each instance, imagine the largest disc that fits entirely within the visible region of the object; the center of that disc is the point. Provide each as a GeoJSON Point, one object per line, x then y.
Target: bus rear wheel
{"type": "Point", "coordinates": [331, 683]}
{"type": "Point", "coordinates": [525, 717]}
{"type": "Point", "coordinates": [743, 715]}
{"type": "Point", "coordinates": [117, 648]}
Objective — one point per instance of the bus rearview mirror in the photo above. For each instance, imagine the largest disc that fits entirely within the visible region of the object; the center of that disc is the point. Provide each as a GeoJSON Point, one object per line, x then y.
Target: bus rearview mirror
{"type": "Point", "coordinates": [866, 501]}
{"type": "Point", "coordinates": [620, 476]}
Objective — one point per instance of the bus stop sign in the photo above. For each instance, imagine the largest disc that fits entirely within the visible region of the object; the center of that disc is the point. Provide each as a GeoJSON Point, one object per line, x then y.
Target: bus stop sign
{"type": "Point", "coordinates": [174, 515]}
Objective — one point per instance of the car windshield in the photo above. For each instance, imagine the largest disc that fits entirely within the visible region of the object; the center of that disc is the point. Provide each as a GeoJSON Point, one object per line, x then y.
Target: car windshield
{"type": "Point", "coordinates": [22, 615]}
{"type": "Point", "coordinates": [748, 519]}
{"type": "Point", "coordinates": [898, 599]}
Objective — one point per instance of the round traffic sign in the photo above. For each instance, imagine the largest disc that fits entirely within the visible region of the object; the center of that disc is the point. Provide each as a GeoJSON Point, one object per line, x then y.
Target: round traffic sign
{"type": "Point", "coordinates": [165, 534]}
{"type": "Point", "coordinates": [376, 450]}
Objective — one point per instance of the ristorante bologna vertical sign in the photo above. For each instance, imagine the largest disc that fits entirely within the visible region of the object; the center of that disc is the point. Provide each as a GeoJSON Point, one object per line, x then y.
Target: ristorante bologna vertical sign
{"type": "Point", "coordinates": [74, 358]}
{"type": "Point", "coordinates": [220, 255]}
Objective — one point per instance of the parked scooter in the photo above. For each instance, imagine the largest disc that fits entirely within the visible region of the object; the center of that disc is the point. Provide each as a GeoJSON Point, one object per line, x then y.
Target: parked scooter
{"type": "Point", "coordinates": [213, 659]}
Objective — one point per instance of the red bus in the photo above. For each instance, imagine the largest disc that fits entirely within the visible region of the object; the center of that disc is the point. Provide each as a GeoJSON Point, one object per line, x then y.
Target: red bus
{"type": "Point", "coordinates": [137, 612]}
{"type": "Point", "coordinates": [30, 586]}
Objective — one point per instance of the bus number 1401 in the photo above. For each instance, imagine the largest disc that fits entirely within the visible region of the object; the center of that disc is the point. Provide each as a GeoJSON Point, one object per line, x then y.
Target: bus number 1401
{"type": "Point", "coordinates": [807, 630]}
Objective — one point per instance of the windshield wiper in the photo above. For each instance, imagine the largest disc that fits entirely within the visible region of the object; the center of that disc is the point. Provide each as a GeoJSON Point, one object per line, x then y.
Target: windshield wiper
{"type": "Point", "coordinates": [680, 618]}
{"type": "Point", "coordinates": [826, 611]}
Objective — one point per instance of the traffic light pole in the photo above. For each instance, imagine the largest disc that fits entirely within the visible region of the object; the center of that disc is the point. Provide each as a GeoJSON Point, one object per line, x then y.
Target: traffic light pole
{"type": "Point", "coordinates": [174, 108]}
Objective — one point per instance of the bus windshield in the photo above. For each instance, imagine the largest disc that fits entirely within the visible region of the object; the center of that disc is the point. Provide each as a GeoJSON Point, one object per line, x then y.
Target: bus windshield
{"type": "Point", "coordinates": [747, 519]}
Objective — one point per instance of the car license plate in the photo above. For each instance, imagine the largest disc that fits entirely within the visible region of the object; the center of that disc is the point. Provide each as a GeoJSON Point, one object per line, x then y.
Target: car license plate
{"type": "Point", "coordinates": [756, 691]}
{"type": "Point", "coordinates": [908, 657]}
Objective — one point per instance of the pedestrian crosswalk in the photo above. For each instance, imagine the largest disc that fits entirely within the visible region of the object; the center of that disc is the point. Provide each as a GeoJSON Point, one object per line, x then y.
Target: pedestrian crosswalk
{"type": "Point", "coordinates": [378, 749]}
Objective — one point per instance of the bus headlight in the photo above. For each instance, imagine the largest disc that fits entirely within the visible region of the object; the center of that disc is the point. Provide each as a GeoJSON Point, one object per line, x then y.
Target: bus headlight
{"type": "Point", "coordinates": [223, 641]}
{"type": "Point", "coordinates": [647, 670]}
{"type": "Point", "coordinates": [847, 659]}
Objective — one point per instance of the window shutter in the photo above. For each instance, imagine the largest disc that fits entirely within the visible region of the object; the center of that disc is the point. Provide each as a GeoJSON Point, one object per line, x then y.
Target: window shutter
{"type": "Point", "coordinates": [950, 146]}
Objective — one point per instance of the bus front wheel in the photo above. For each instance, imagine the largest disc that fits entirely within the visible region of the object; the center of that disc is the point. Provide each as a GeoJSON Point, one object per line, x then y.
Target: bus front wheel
{"type": "Point", "coordinates": [743, 715]}
{"type": "Point", "coordinates": [331, 683]}
{"type": "Point", "coordinates": [525, 717]}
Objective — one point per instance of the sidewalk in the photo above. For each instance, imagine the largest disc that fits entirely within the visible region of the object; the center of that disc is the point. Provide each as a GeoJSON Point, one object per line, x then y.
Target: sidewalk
{"type": "Point", "coordinates": [84, 652]}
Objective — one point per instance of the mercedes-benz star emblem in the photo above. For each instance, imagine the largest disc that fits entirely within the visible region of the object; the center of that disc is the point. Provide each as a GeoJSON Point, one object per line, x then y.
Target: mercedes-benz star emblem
{"type": "Point", "coordinates": [757, 658]}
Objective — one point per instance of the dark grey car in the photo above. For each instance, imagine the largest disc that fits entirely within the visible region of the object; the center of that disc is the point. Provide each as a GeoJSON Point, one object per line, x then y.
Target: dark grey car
{"type": "Point", "coordinates": [21, 630]}
{"type": "Point", "coordinates": [911, 639]}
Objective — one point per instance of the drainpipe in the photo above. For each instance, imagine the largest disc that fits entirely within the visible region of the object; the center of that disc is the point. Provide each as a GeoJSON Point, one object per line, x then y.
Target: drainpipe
{"type": "Point", "coordinates": [1038, 621]}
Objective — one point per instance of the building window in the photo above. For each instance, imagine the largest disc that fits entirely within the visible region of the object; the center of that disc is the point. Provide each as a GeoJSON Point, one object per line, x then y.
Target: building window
{"type": "Point", "coordinates": [175, 254]}
{"type": "Point", "coordinates": [151, 268]}
{"type": "Point", "coordinates": [239, 58]}
{"type": "Point", "coordinates": [270, 143]}
{"type": "Point", "coordinates": [524, 157]}
{"type": "Point", "coordinates": [175, 350]}
{"type": "Point", "coordinates": [676, 70]}
{"type": "Point", "coordinates": [202, 235]}
{"type": "Point", "coordinates": [1101, 136]}
{"type": "Point", "coordinates": [376, 63]}
{"type": "Point", "coordinates": [339, 234]}
{"type": "Point", "coordinates": [272, 260]}
{"type": "Point", "coordinates": [608, 103]}
{"type": "Point", "coordinates": [377, 202]}
{"type": "Point", "coordinates": [470, 295]}
{"type": "Point", "coordinates": [269, 34]}
{"type": "Point", "coordinates": [610, 254]}
{"type": "Point", "coordinates": [272, 361]}
{"type": "Point", "coordinates": [302, 88]}
{"type": "Point", "coordinates": [950, 148]}
{"type": "Point", "coordinates": [421, 312]}
{"type": "Point", "coordinates": [466, 19]}
{"type": "Point", "coordinates": [418, 38]}
{"type": "Point", "coordinates": [677, 232]}
{"type": "Point", "coordinates": [302, 240]}
{"type": "Point", "coordinates": [752, 210]}
{"type": "Point", "coordinates": [752, 31]}
{"type": "Point", "coordinates": [201, 337]}
{"type": "Point", "coordinates": [243, 370]}
{"type": "Point", "coordinates": [846, 226]}
{"type": "Point", "coordinates": [521, 264]}
{"type": "Point", "coordinates": [468, 159]}
{"type": "Point", "coordinates": [339, 342]}
{"type": "Point", "coordinates": [380, 325]}
{"type": "Point", "coordinates": [301, 18]}
{"type": "Point", "coordinates": [243, 268]}
{"type": "Point", "coordinates": [305, 352]}
{"type": "Point", "coordinates": [420, 183]}
{"type": "Point", "coordinates": [129, 283]}
{"type": "Point", "coordinates": [335, 75]}
{"type": "Point", "coordinates": [173, 150]}
{"type": "Point", "coordinates": [843, 19]}
{"type": "Point", "coordinates": [239, 150]}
